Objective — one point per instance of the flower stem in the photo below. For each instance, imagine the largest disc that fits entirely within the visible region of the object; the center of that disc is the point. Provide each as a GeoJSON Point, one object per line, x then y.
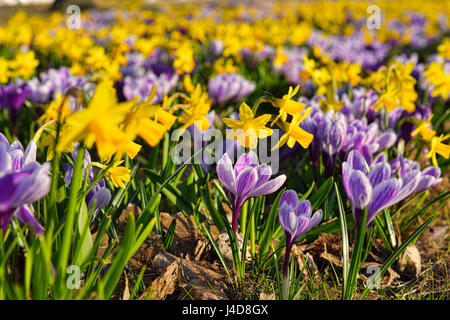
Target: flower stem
{"type": "Point", "coordinates": [287, 254]}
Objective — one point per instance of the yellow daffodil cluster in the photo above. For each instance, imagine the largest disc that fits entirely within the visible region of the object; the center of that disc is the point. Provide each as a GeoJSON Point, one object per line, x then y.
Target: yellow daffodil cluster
{"type": "Point", "coordinates": [248, 129]}
{"type": "Point", "coordinates": [399, 87]}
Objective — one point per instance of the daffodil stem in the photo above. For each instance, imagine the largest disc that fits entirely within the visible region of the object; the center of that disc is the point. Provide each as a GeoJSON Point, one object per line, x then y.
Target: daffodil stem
{"type": "Point", "coordinates": [258, 102]}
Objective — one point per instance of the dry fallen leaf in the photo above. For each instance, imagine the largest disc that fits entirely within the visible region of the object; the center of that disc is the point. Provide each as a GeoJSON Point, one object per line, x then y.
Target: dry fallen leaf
{"type": "Point", "coordinates": [126, 291]}
{"type": "Point", "coordinates": [410, 259]}
{"type": "Point", "coordinates": [165, 284]}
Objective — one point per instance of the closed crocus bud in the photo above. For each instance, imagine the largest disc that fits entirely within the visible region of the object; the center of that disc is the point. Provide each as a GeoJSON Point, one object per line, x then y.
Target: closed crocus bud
{"type": "Point", "coordinates": [216, 47]}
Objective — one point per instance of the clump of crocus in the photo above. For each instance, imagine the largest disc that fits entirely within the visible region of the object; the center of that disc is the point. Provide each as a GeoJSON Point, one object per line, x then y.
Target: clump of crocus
{"type": "Point", "coordinates": [374, 188]}
{"type": "Point", "coordinates": [22, 182]}
{"type": "Point", "coordinates": [247, 179]}
{"type": "Point", "coordinates": [295, 219]}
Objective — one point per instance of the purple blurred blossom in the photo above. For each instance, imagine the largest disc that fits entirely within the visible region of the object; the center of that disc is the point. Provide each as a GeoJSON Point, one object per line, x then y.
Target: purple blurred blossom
{"type": "Point", "coordinates": [229, 87]}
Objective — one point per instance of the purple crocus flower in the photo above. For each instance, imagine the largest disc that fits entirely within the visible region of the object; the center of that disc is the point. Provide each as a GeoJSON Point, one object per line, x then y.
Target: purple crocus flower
{"type": "Point", "coordinates": [429, 177]}
{"type": "Point", "coordinates": [246, 180]}
{"type": "Point", "coordinates": [142, 86]}
{"type": "Point", "coordinates": [331, 134]}
{"type": "Point", "coordinates": [374, 188]}
{"type": "Point", "coordinates": [367, 139]}
{"type": "Point", "coordinates": [295, 216]}
{"type": "Point", "coordinates": [229, 87]}
{"type": "Point", "coordinates": [295, 219]}
{"type": "Point", "coordinates": [12, 97]}
{"type": "Point", "coordinates": [22, 181]}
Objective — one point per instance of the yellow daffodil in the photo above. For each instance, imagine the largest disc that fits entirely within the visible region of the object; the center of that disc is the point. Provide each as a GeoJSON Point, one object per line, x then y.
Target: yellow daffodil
{"type": "Point", "coordinates": [288, 106]}
{"type": "Point", "coordinates": [98, 123]}
{"type": "Point", "coordinates": [444, 48]}
{"type": "Point", "coordinates": [196, 112]}
{"type": "Point", "coordinates": [293, 132]}
{"type": "Point", "coordinates": [424, 129]}
{"type": "Point", "coordinates": [56, 108]}
{"type": "Point", "coordinates": [248, 129]}
{"type": "Point", "coordinates": [437, 147]}
{"type": "Point", "coordinates": [116, 173]}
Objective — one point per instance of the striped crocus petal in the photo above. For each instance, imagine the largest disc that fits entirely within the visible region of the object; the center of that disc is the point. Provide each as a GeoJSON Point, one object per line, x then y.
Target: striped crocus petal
{"type": "Point", "coordinates": [304, 208]}
{"type": "Point", "coordinates": [290, 197]}
{"type": "Point", "coordinates": [5, 159]}
{"type": "Point", "coordinates": [357, 162]}
{"type": "Point", "coordinates": [379, 173]}
{"type": "Point", "coordinates": [245, 182]}
{"type": "Point", "coordinates": [264, 173]}
{"type": "Point", "coordinates": [382, 196]}
{"type": "Point", "coordinates": [26, 217]}
{"type": "Point", "coordinates": [269, 187]}
{"type": "Point", "coordinates": [245, 160]}
{"type": "Point", "coordinates": [315, 219]}
{"type": "Point", "coordinates": [360, 188]}
{"type": "Point", "coordinates": [409, 185]}
{"type": "Point", "coordinates": [225, 173]}
{"type": "Point", "coordinates": [288, 219]}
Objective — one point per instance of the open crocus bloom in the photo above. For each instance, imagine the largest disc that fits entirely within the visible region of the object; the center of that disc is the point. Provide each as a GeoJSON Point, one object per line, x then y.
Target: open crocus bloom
{"type": "Point", "coordinates": [374, 188]}
{"type": "Point", "coordinates": [22, 181]}
{"type": "Point", "coordinates": [295, 216]}
{"type": "Point", "coordinates": [246, 180]}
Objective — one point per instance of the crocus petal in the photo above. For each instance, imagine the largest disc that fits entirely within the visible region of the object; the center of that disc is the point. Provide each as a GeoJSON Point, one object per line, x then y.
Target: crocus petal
{"type": "Point", "coordinates": [245, 160]}
{"type": "Point", "coordinates": [17, 158]}
{"type": "Point", "coordinates": [304, 208]}
{"type": "Point", "coordinates": [346, 172]}
{"type": "Point", "coordinates": [264, 173]}
{"type": "Point", "coordinates": [386, 140]}
{"type": "Point", "coordinates": [315, 219]}
{"type": "Point", "coordinates": [25, 216]}
{"type": "Point", "coordinates": [383, 194]}
{"type": "Point", "coordinates": [288, 219]}
{"type": "Point", "coordinates": [302, 226]}
{"type": "Point", "coordinates": [379, 173]}
{"type": "Point", "coordinates": [102, 197]}
{"type": "Point", "coordinates": [5, 159]}
{"type": "Point", "coordinates": [30, 152]}
{"type": "Point", "coordinates": [432, 171]}
{"type": "Point", "coordinates": [357, 162]}
{"type": "Point", "coordinates": [409, 184]}
{"type": "Point", "coordinates": [32, 188]}
{"type": "Point", "coordinates": [290, 197]}
{"type": "Point", "coordinates": [361, 189]}
{"type": "Point", "coordinates": [245, 182]}
{"type": "Point", "coordinates": [225, 173]}
{"type": "Point", "coordinates": [5, 218]}
{"type": "Point", "coordinates": [269, 187]}
{"type": "Point", "coordinates": [7, 191]}
{"type": "Point", "coordinates": [382, 157]}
